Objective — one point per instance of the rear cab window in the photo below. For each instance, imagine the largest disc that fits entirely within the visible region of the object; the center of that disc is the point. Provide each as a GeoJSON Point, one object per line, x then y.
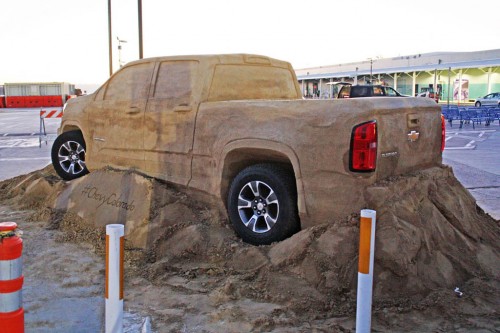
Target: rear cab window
{"type": "Point", "coordinates": [244, 82]}
{"type": "Point", "coordinates": [378, 91]}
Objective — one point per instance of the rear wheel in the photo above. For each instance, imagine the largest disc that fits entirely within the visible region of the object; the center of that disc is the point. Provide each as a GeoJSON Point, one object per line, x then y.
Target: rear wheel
{"type": "Point", "coordinates": [262, 204]}
{"type": "Point", "coordinates": [68, 155]}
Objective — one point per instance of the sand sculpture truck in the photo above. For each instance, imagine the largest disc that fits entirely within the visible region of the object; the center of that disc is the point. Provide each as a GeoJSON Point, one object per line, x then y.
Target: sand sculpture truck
{"type": "Point", "coordinates": [236, 127]}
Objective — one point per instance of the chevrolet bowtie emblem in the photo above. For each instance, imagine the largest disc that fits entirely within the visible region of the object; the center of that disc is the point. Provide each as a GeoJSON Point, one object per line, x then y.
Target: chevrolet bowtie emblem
{"type": "Point", "coordinates": [413, 136]}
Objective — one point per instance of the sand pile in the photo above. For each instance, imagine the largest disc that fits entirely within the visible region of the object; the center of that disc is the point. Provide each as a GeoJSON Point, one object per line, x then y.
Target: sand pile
{"type": "Point", "coordinates": [431, 238]}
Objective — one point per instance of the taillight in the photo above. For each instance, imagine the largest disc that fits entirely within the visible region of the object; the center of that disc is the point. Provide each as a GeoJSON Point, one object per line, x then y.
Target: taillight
{"type": "Point", "coordinates": [443, 133]}
{"type": "Point", "coordinates": [363, 157]}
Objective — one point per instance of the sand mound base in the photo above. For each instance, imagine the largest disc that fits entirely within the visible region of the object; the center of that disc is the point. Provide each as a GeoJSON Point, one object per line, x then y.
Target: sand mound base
{"type": "Point", "coordinates": [188, 269]}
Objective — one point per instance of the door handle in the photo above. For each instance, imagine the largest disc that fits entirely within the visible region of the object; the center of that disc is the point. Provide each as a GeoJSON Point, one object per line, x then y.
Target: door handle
{"type": "Point", "coordinates": [133, 110]}
{"type": "Point", "coordinates": [413, 120]}
{"type": "Point", "coordinates": [182, 108]}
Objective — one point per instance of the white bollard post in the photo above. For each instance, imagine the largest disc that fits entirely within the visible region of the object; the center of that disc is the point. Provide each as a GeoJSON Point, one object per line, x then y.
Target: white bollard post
{"type": "Point", "coordinates": [114, 278]}
{"type": "Point", "coordinates": [365, 270]}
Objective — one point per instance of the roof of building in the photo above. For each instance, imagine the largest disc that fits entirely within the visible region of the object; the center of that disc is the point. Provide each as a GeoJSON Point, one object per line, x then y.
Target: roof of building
{"type": "Point", "coordinates": [405, 64]}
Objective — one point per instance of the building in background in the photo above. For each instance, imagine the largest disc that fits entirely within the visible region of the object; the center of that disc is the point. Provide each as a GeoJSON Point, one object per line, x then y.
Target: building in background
{"type": "Point", "coordinates": [36, 94]}
{"type": "Point", "coordinates": [457, 76]}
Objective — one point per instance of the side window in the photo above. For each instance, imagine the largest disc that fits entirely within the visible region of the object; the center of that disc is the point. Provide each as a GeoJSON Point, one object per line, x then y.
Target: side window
{"type": "Point", "coordinates": [175, 83]}
{"type": "Point", "coordinates": [360, 91]}
{"type": "Point", "coordinates": [130, 83]}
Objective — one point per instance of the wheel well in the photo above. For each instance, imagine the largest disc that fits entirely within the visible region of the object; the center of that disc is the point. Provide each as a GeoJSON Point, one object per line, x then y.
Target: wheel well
{"type": "Point", "coordinates": [239, 159]}
{"type": "Point", "coordinates": [70, 128]}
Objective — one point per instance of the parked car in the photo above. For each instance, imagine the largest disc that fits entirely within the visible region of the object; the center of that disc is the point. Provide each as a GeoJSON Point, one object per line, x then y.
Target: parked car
{"type": "Point", "coordinates": [492, 99]}
{"type": "Point", "coordinates": [354, 91]}
{"type": "Point", "coordinates": [429, 93]}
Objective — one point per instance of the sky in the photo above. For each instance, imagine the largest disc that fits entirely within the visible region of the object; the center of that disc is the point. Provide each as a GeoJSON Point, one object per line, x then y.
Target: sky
{"type": "Point", "coordinates": [67, 40]}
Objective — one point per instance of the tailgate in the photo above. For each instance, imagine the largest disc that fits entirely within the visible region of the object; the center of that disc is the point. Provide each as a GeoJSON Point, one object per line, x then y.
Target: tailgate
{"type": "Point", "coordinates": [409, 137]}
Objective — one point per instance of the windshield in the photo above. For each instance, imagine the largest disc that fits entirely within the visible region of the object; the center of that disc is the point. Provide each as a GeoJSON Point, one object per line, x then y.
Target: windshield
{"type": "Point", "coordinates": [391, 92]}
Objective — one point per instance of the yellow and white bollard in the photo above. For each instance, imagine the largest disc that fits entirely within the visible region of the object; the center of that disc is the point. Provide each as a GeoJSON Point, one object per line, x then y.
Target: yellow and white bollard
{"type": "Point", "coordinates": [114, 278]}
{"type": "Point", "coordinates": [11, 280]}
{"type": "Point", "coordinates": [365, 270]}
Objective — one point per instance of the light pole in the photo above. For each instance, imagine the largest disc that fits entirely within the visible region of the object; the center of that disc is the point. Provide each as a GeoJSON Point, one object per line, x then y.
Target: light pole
{"type": "Point", "coordinates": [371, 69]}
{"type": "Point", "coordinates": [109, 40]}
{"type": "Point", "coordinates": [139, 11]}
{"type": "Point", "coordinates": [120, 50]}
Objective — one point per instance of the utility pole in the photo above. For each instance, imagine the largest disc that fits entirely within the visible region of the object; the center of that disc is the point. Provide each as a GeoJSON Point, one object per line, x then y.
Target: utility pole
{"type": "Point", "coordinates": [449, 79]}
{"type": "Point", "coordinates": [371, 70]}
{"type": "Point", "coordinates": [139, 10]}
{"type": "Point", "coordinates": [110, 41]}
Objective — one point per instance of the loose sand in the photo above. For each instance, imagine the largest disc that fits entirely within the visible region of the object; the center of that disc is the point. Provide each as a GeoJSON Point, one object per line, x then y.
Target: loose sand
{"type": "Point", "coordinates": [196, 275]}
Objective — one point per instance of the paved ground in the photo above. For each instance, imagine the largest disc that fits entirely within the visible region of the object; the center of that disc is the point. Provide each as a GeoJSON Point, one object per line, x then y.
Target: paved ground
{"type": "Point", "coordinates": [20, 148]}
{"type": "Point", "coordinates": [474, 154]}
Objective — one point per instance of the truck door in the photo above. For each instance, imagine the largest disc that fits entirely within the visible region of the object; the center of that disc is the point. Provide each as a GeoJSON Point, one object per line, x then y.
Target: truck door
{"type": "Point", "coordinates": [119, 121]}
{"type": "Point", "coordinates": [169, 121]}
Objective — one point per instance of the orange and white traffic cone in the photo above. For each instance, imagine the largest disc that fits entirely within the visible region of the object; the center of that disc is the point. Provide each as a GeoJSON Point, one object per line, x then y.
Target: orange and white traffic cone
{"type": "Point", "coordinates": [11, 279]}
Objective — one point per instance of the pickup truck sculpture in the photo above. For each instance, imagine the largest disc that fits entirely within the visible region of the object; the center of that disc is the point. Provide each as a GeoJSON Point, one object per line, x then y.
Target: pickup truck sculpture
{"type": "Point", "coordinates": [237, 128]}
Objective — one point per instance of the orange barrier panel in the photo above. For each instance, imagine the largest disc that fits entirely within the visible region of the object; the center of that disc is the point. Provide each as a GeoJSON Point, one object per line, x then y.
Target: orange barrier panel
{"type": "Point", "coordinates": [45, 100]}
{"type": "Point", "coordinates": [53, 101]}
{"type": "Point", "coordinates": [15, 101]}
{"type": "Point", "coordinates": [58, 101]}
{"type": "Point", "coordinates": [29, 102]}
{"type": "Point", "coordinates": [37, 101]}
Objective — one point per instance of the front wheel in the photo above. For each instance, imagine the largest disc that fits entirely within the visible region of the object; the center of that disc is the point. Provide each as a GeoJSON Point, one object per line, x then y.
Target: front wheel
{"type": "Point", "coordinates": [68, 155]}
{"type": "Point", "coordinates": [478, 104]}
{"type": "Point", "coordinates": [262, 204]}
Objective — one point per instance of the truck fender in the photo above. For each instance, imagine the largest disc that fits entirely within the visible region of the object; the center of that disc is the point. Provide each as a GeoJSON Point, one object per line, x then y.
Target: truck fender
{"type": "Point", "coordinates": [267, 148]}
{"type": "Point", "coordinates": [71, 126]}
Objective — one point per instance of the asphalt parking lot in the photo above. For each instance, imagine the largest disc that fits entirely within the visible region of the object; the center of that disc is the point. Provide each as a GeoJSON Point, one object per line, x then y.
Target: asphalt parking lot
{"type": "Point", "coordinates": [21, 148]}
{"type": "Point", "coordinates": [474, 153]}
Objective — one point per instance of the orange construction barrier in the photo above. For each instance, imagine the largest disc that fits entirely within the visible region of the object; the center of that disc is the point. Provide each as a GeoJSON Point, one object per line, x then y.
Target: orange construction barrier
{"type": "Point", "coordinates": [15, 101]}
{"type": "Point", "coordinates": [11, 280]}
{"type": "Point", "coordinates": [47, 114]}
